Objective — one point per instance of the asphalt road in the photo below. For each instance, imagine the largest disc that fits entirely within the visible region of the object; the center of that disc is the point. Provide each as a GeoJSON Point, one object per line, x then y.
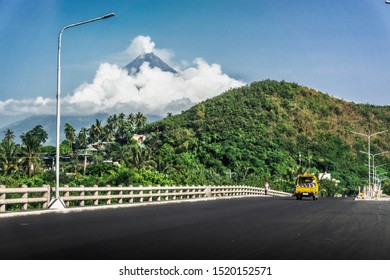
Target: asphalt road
{"type": "Point", "coordinates": [245, 228]}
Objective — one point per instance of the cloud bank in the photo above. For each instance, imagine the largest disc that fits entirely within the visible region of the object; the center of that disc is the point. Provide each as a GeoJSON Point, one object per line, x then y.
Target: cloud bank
{"type": "Point", "coordinates": [151, 91]}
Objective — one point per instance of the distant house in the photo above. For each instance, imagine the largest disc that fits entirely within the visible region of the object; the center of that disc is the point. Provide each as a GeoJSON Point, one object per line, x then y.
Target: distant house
{"type": "Point", "coordinates": [327, 176]}
{"type": "Point", "coordinates": [139, 138]}
{"type": "Point", "coordinates": [98, 146]}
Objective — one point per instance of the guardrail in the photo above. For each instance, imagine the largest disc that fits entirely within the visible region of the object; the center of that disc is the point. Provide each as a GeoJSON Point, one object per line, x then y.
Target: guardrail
{"type": "Point", "coordinates": [82, 196]}
{"type": "Point", "coordinates": [22, 196]}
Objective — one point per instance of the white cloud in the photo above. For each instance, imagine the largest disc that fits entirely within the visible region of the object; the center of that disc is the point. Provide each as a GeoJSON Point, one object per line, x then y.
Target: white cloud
{"type": "Point", "coordinates": [151, 91]}
{"type": "Point", "coordinates": [141, 45]}
{"type": "Point", "coordinates": [36, 106]}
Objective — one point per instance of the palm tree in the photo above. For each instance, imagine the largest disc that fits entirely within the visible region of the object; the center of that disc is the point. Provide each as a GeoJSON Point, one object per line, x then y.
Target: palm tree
{"type": "Point", "coordinates": [125, 128]}
{"type": "Point", "coordinates": [139, 120]}
{"type": "Point", "coordinates": [137, 156]}
{"type": "Point", "coordinates": [162, 165]}
{"type": "Point", "coordinates": [131, 119]}
{"type": "Point", "coordinates": [107, 135]}
{"type": "Point", "coordinates": [70, 134]}
{"type": "Point", "coordinates": [9, 136]}
{"type": "Point", "coordinates": [31, 144]}
{"type": "Point", "coordinates": [96, 131]}
{"type": "Point", "coordinates": [112, 125]}
{"type": "Point", "coordinates": [82, 138]}
{"type": "Point", "coordinates": [8, 153]}
{"type": "Point", "coordinates": [121, 123]}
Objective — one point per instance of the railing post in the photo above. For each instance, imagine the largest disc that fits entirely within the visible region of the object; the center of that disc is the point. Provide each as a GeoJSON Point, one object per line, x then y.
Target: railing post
{"type": "Point", "coordinates": [131, 194]}
{"type": "Point", "coordinates": [25, 197]}
{"type": "Point", "coordinates": [109, 196]}
{"type": "Point", "coordinates": [143, 194]}
{"type": "Point", "coordinates": [96, 193]}
{"type": "Point", "coordinates": [47, 196]}
{"type": "Point", "coordinates": [208, 191]}
{"type": "Point", "coordinates": [174, 194]}
{"type": "Point", "coordinates": [66, 195]}
{"type": "Point", "coordinates": [180, 196]}
{"type": "Point", "coordinates": [120, 200]}
{"type": "Point", "coordinates": [159, 193]}
{"type": "Point", "coordinates": [2, 199]}
{"type": "Point", "coordinates": [151, 194]}
{"type": "Point", "coordinates": [166, 193]}
{"type": "Point", "coordinates": [82, 194]}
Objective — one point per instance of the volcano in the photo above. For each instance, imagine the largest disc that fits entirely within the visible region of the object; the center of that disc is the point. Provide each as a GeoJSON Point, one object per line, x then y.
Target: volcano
{"type": "Point", "coordinates": [153, 60]}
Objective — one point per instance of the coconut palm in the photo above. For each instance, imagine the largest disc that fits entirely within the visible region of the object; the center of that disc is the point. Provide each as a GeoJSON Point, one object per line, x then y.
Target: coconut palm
{"type": "Point", "coordinates": [131, 119]}
{"type": "Point", "coordinates": [125, 128]}
{"type": "Point", "coordinates": [112, 125]}
{"type": "Point", "coordinates": [82, 138]}
{"type": "Point", "coordinates": [137, 155]}
{"type": "Point", "coordinates": [139, 120]}
{"type": "Point", "coordinates": [96, 131]}
{"type": "Point", "coordinates": [70, 134]}
{"type": "Point", "coordinates": [107, 135]}
{"type": "Point", "coordinates": [31, 144]}
{"type": "Point", "coordinates": [8, 153]}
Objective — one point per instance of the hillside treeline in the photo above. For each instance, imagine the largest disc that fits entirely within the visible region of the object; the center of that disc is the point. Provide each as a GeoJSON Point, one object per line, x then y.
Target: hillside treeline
{"type": "Point", "coordinates": [266, 131]}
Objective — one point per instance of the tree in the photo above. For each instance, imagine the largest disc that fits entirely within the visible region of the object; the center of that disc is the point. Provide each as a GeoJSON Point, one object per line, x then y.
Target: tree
{"type": "Point", "coordinates": [125, 128]}
{"type": "Point", "coordinates": [96, 131]}
{"type": "Point", "coordinates": [70, 134]}
{"type": "Point", "coordinates": [107, 135]}
{"type": "Point", "coordinates": [139, 120]}
{"type": "Point", "coordinates": [8, 153]}
{"type": "Point", "coordinates": [330, 188]}
{"type": "Point", "coordinates": [32, 142]}
{"type": "Point", "coordinates": [82, 138]}
{"type": "Point", "coordinates": [112, 124]}
{"type": "Point", "coordinates": [131, 119]}
{"type": "Point", "coordinates": [137, 155]}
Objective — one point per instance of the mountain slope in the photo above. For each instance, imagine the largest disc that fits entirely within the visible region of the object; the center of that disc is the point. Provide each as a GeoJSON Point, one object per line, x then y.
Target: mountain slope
{"type": "Point", "coordinates": [273, 130]}
{"type": "Point", "coordinates": [153, 60]}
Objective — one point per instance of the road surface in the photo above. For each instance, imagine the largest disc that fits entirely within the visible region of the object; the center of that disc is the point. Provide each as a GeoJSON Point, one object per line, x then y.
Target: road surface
{"type": "Point", "coordinates": [240, 228]}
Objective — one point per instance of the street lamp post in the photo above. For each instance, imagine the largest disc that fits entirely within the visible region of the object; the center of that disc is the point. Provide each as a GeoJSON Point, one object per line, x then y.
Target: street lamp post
{"type": "Point", "coordinates": [57, 202]}
{"type": "Point", "coordinates": [373, 172]}
{"type": "Point", "coordinates": [376, 170]}
{"type": "Point", "coordinates": [377, 179]}
{"type": "Point", "coordinates": [373, 163]}
{"type": "Point", "coordinates": [369, 151]}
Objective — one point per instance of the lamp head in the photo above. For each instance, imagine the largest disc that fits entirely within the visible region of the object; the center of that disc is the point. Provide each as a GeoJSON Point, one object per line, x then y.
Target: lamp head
{"type": "Point", "coordinates": [108, 15]}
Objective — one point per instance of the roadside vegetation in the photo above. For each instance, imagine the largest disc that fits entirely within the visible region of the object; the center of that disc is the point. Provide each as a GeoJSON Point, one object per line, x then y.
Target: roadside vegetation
{"type": "Point", "coordinates": [266, 131]}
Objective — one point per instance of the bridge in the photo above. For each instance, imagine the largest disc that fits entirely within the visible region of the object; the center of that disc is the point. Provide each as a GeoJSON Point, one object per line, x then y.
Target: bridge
{"type": "Point", "coordinates": [106, 195]}
{"type": "Point", "coordinates": [254, 227]}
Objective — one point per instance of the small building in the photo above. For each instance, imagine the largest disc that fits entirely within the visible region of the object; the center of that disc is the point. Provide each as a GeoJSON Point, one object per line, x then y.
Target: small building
{"type": "Point", "coordinates": [139, 138]}
{"type": "Point", "coordinates": [328, 176]}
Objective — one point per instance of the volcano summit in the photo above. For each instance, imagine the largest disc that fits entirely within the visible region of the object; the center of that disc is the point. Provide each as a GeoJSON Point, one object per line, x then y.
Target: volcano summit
{"type": "Point", "coordinates": [153, 60]}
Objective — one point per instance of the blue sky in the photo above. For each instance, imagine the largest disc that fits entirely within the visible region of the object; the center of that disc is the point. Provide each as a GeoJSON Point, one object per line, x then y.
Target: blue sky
{"type": "Point", "coordinates": [340, 47]}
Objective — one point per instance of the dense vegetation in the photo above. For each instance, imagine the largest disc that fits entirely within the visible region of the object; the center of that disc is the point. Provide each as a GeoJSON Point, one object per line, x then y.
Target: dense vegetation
{"type": "Point", "coordinates": [264, 131]}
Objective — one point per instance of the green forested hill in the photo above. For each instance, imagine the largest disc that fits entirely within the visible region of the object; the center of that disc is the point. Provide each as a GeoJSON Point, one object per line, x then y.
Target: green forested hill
{"type": "Point", "coordinates": [272, 131]}
{"type": "Point", "coordinates": [267, 131]}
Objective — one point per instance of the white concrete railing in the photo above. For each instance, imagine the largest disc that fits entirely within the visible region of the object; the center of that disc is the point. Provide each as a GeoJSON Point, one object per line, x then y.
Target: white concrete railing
{"type": "Point", "coordinates": [22, 196]}
{"type": "Point", "coordinates": [81, 196]}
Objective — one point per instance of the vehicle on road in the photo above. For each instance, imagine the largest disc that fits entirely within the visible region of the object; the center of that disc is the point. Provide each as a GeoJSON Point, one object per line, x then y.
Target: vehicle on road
{"type": "Point", "coordinates": [306, 186]}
